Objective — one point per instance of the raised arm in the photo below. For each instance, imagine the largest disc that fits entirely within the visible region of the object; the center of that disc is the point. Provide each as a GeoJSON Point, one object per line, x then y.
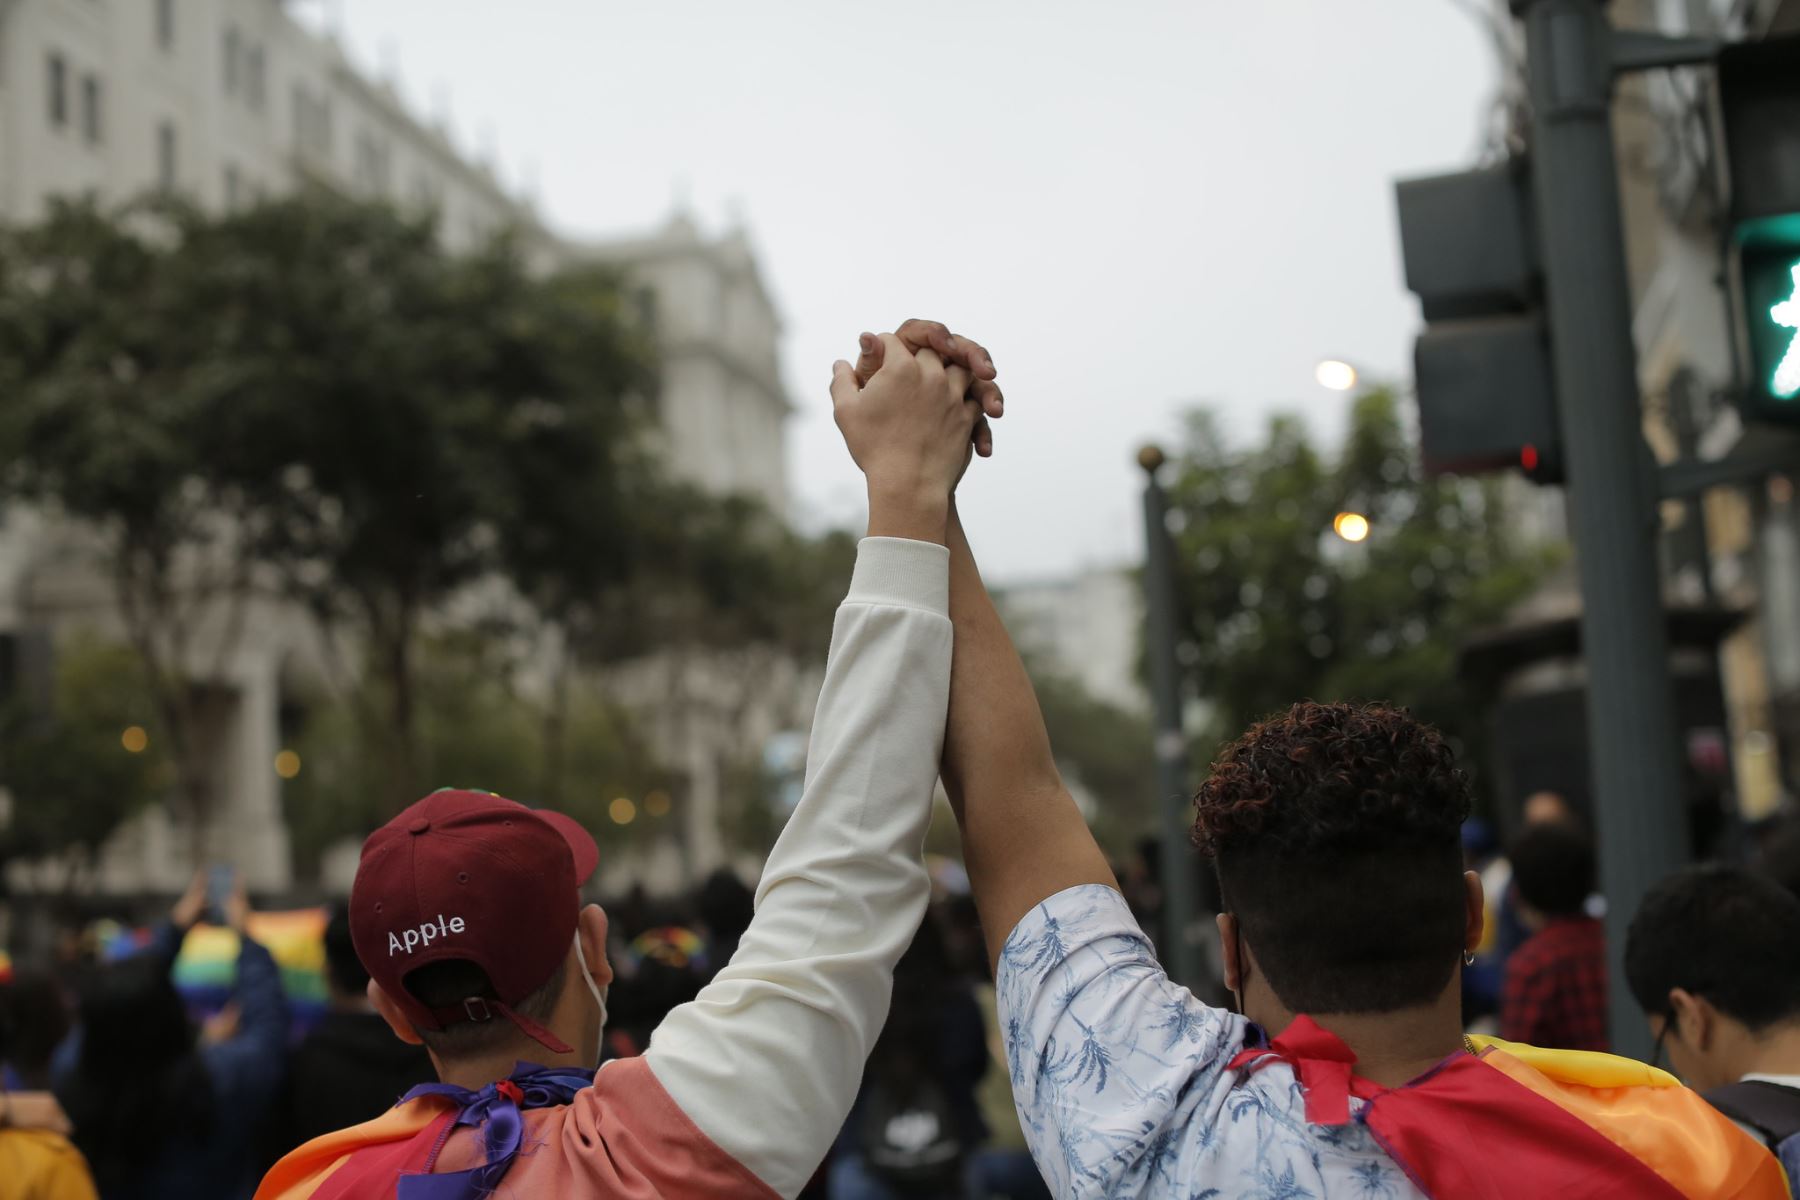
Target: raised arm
{"type": "Point", "coordinates": [1023, 837]}
{"type": "Point", "coordinates": [766, 1062]}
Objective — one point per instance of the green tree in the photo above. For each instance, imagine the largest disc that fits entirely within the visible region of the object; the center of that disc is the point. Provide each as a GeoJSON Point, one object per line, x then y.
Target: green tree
{"type": "Point", "coordinates": [109, 418]}
{"type": "Point", "coordinates": [397, 415]}
{"type": "Point", "coordinates": [475, 730]}
{"type": "Point", "coordinates": [71, 777]}
{"type": "Point", "coordinates": [1277, 608]}
{"type": "Point", "coordinates": [724, 598]}
{"type": "Point", "coordinates": [1107, 751]}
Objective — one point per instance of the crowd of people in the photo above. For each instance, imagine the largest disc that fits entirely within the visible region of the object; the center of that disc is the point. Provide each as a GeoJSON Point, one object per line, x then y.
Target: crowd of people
{"type": "Point", "coordinates": [843, 1032]}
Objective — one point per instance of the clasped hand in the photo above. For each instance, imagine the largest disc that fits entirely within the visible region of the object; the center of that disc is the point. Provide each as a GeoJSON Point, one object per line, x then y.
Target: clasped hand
{"type": "Point", "coordinates": [913, 410]}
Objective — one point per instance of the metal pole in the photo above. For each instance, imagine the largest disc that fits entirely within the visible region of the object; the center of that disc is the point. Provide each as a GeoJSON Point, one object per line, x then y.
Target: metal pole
{"type": "Point", "coordinates": [1174, 804]}
{"type": "Point", "coordinates": [1632, 731]}
{"type": "Point", "coordinates": [1684, 397]}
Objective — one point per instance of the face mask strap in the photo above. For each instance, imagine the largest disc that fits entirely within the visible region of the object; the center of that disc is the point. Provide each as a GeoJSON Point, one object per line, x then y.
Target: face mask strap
{"type": "Point", "coordinates": [587, 977]}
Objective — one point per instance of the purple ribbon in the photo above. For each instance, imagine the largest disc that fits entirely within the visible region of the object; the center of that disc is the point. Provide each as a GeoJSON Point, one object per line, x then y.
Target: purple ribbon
{"type": "Point", "coordinates": [497, 1109]}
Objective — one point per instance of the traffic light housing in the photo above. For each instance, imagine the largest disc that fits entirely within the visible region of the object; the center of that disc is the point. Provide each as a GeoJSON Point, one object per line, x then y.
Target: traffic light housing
{"type": "Point", "coordinates": [1759, 110]}
{"type": "Point", "coordinates": [1482, 366]}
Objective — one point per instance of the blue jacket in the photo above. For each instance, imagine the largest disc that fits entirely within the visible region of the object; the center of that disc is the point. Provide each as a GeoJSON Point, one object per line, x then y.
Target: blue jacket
{"type": "Point", "coordinates": [245, 1072]}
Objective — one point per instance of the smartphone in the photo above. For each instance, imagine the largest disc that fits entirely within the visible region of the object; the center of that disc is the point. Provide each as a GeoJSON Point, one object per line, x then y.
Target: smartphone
{"type": "Point", "coordinates": [220, 879]}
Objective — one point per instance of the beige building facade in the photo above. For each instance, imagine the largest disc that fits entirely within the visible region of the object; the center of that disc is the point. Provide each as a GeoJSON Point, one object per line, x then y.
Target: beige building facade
{"type": "Point", "coordinates": [227, 101]}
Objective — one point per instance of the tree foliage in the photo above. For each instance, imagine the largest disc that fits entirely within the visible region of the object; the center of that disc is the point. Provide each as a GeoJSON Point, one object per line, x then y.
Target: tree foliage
{"type": "Point", "coordinates": [310, 401]}
{"type": "Point", "coordinates": [112, 417]}
{"type": "Point", "coordinates": [71, 779]}
{"type": "Point", "coordinates": [476, 730]}
{"type": "Point", "coordinates": [1106, 750]}
{"type": "Point", "coordinates": [1277, 608]}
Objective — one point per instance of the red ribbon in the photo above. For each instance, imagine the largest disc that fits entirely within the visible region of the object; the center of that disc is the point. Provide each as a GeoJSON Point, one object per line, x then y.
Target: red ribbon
{"type": "Point", "coordinates": [1320, 1061]}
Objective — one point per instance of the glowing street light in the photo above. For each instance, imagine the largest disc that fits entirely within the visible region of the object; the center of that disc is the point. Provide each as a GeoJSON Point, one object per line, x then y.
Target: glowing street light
{"type": "Point", "coordinates": [1334, 374]}
{"type": "Point", "coordinates": [622, 810]}
{"type": "Point", "coordinates": [287, 764]}
{"type": "Point", "coordinates": [134, 739]}
{"type": "Point", "coordinates": [1351, 526]}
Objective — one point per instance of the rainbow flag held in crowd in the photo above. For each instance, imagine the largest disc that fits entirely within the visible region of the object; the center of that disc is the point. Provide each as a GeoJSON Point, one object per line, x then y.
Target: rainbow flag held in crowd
{"type": "Point", "coordinates": [206, 968]}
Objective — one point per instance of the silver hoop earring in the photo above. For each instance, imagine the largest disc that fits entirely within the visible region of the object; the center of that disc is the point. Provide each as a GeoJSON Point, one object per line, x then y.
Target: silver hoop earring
{"type": "Point", "coordinates": [1468, 958]}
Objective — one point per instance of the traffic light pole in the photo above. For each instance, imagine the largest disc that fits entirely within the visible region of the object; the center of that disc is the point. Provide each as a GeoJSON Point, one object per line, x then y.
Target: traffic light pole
{"type": "Point", "coordinates": [1571, 59]}
{"type": "Point", "coordinates": [1174, 803]}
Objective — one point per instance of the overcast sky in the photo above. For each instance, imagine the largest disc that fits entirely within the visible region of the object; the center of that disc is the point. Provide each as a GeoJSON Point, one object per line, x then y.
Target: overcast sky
{"type": "Point", "coordinates": [1137, 206]}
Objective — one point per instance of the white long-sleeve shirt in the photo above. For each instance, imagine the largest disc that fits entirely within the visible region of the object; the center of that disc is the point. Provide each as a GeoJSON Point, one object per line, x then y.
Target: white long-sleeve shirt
{"type": "Point", "coordinates": [742, 1091]}
{"type": "Point", "coordinates": [768, 1059]}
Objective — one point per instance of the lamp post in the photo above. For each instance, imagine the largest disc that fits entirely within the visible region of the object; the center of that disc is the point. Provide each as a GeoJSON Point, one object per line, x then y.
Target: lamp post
{"type": "Point", "coordinates": [1174, 807]}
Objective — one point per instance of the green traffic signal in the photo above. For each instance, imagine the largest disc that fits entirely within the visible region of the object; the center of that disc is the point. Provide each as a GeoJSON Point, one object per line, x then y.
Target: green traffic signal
{"type": "Point", "coordinates": [1784, 382]}
{"type": "Point", "coordinates": [1771, 308]}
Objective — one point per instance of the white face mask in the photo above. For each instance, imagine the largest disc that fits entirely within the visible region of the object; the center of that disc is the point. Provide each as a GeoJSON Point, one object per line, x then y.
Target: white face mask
{"type": "Point", "coordinates": [587, 977]}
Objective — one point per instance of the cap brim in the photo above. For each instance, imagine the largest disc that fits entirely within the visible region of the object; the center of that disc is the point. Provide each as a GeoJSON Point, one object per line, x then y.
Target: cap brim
{"type": "Point", "coordinates": [581, 842]}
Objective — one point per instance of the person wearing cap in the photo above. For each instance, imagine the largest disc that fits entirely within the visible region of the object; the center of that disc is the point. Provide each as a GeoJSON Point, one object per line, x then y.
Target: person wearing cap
{"type": "Point", "coordinates": [467, 910]}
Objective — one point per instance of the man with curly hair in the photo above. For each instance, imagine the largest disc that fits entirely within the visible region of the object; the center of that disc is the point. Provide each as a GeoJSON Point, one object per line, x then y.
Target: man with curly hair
{"type": "Point", "coordinates": [1344, 1071]}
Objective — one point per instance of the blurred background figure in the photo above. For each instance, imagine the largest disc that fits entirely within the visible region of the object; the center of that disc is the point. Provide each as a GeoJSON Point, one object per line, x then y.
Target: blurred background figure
{"type": "Point", "coordinates": [1555, 992]}
{"type": "Point", "coordinates": [157, 1111]}
{"type": "Point", "coordinates": [35, 1164]}
{"type": "Point", "coordinates": [1002, 1167]}
{"type": "Point", "coordinates": [1713, 959]}
{"type": "Point", "coordinates": [725, 906]}
{"type": "Point", "coordinates": [1549, 808]}
{"type": "Point", "coordinates": [1778, 853]}
{"type": "Point", "coordinates": [350, 1068]}
{"type": "Point", "coordinates": [661, 968]}
{"type": "Point", "coordinates": [34, 1019]}
{"type": "Point", "coordinates": [917, 1124]}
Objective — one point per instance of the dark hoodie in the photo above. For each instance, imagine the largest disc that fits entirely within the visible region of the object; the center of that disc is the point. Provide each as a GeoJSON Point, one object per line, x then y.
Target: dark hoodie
{"type": "Point", "coordinates": [350, 1069]}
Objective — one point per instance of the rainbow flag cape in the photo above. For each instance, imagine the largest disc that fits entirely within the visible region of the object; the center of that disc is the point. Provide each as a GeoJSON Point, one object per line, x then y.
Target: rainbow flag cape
{"type": "Point", "coordinates": [365, 1161]}
{"type": "Point", "coordinates": [1512, 1120]}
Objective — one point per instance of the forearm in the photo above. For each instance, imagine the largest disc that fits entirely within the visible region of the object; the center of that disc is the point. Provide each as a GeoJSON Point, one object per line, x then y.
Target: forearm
{"type": "Point", "coordinates": [802, 1001]}
{"type": "Point", "coordinates": [909, 512]}
{"type": "Point", "coordinates": [1023, 837]}
{"type": "Point", "coordinates": [995, 741]}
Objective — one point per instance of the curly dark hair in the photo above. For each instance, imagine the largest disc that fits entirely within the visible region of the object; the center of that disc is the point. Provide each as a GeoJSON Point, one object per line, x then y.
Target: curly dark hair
{"type": "Point", "coordinates": [1335, 832]}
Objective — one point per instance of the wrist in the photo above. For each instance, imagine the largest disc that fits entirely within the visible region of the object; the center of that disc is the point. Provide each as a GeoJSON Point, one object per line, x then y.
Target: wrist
{"type": "Point", "coordinates": [916, 513]}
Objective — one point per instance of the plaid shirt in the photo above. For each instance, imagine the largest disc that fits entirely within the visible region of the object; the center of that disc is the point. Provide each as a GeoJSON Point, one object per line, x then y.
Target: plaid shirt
{"type": "Point", "coordinates": [1556, 988]}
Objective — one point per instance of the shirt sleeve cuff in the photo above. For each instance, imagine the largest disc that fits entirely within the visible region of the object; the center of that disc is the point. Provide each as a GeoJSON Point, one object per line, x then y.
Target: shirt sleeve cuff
{"type": "Point", "coordinates": [901, 573]}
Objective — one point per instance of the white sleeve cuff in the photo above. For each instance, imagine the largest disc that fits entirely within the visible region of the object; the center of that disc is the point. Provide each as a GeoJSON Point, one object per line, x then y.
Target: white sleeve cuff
{"type": "Point", "coordinates": [901, 573]}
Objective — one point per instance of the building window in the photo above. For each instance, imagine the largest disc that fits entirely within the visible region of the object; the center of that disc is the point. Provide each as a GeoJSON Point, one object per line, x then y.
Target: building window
{"type": "Point", "coordinates": [231, 60]}
{"type": "Point", "coordinates": [91, 126]}
{"type": "Point", "coordinates": [165, 156]}
{"type": "Point", "coordinates": [255, 79]}
{"type": "Point", "coordinates": [165, 24]}
{"type": "Point", "coordinates": [301, 108]}
{"type": "Point", "coordinates": [371, 164]}
{"type": "Point", "coordinates": [59, 91]}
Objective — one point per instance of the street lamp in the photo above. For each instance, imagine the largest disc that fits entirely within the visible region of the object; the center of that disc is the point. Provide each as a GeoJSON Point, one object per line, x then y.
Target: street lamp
{"type": "Point", "coordinates": [1336, 375]}
{"type": "Point", "coordinates": [1351, 526]}
{"type": "Point", "coordinates": [1174, 809]}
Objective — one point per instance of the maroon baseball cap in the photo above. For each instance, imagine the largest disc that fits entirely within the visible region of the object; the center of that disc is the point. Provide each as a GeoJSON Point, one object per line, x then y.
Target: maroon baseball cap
{"type": "Point", "coordinates": [475, 876]}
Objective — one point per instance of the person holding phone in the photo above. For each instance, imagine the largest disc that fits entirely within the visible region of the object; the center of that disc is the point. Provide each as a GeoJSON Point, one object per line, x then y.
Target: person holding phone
{"type": "Point", "coordinates": [157, 1111]}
